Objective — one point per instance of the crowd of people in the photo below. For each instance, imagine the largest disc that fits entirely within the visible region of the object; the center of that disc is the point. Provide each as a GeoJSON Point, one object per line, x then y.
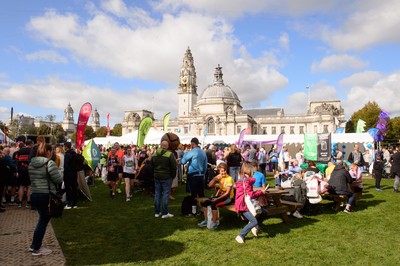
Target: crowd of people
{"type": "Point", "coordinates": [28, 171]}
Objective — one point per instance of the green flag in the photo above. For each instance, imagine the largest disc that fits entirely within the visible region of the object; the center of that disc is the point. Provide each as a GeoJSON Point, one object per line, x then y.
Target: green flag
{"type": "Point", "coordinates": [166, 121]}
{"type": "Point", "coordinates": [92, 154]}
{"type": "Point", "coordinates": [311, 147]}
{"type": "Point", "coordinates": [360, 126]}
{"type": "Point", "coordinates": [144, 128]}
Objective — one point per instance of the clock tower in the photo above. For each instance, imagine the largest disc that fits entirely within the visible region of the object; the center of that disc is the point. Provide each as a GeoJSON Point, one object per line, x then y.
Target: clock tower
{"type": "Point", "coordinates": [187, 92]}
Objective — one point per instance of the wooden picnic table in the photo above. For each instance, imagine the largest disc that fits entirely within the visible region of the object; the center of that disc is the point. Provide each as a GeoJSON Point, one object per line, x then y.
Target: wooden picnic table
{"type": "Point", "coordinates": [278, 208]}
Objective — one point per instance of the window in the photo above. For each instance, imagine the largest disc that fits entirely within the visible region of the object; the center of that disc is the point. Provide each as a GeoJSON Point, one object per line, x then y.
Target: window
{"type": "Point", "coordinates": [264, 130]}
{"type": "Point", "coordinates": [291, 129]}
{"type": "Point", "coordinates": [273, 130]}
{"type": "Point", "coordinates": [301, 129]}
{"type": "Point", "coordinates": [325, 129]}
{"type": "Point", "coordinates": [283, 129]}
{"type": "Point", "coordinates": [211, 126]}
{"type": "Point", "coordinates": [315, 129]}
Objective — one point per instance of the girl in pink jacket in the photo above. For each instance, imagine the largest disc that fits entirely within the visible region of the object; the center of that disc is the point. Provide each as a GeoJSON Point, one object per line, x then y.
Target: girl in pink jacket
{"type": "Point", "coordinates": [244, 186]}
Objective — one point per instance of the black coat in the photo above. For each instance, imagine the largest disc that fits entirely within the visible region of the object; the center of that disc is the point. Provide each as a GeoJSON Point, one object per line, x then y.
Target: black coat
{"type": "Point", "coordinates": [340, 178]}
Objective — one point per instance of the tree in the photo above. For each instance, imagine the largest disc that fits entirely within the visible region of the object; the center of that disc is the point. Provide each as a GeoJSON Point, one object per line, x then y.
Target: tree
{"type": "Point", "coordinates": [369, 113]}
{"type": "Point", "coordinates": [101, 132]}
{"type": "Point", "coordinates": [393, 130]}
{"type": "Point", "coordinates": [44, 130]}
{"type": "Point", "coordinates": [89, 133]}
{"type": "Point", "coordinates": [117, 130]}
{"type": "Point", "coordinates": [58, 134]}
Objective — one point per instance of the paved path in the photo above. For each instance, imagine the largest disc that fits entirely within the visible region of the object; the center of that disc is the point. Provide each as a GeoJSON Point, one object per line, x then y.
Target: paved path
{"type": "Point", "coordinates": [16, 231]}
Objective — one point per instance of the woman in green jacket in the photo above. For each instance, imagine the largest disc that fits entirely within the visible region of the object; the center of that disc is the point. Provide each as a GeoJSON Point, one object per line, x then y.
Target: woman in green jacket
{"type": "Point", "coordinates": [43, 173]}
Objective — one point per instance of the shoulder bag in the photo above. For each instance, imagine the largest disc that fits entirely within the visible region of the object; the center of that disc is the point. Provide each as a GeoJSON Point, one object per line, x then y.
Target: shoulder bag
{"type": "Point", "coordinates": [252, 204]}
{"type": "Point", "coordinates": [56, 206]}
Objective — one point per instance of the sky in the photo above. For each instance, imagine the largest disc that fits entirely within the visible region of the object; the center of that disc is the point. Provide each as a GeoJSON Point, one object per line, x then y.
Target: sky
{"type": "Point", "coordinates": [126, 55]}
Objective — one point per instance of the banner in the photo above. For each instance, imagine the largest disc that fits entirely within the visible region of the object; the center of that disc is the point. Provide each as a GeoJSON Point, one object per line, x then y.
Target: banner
{"type": "Point", "coordinates": [92, 154]}
{"type": "Point", "coordinates": [324, 150]}
{"type": "Point", "coordinates": [83, 118]}
{"type": "Point", "coordinates": [166, 121]}
{"type": "Point", "coordinates": [279, 143]}
{"type": "Point", "coordinates": [381, 126]}
{"type": "Point", "coordinates": [108, 124]}
{"type": "Point", "coordinates": [310, 147]}
{"type": "Point", "coordinates": [360, 126]}
{"type": "Point", "coordinates": [241, 137]}
{"type": "Point", "coordinates": [144, 128]}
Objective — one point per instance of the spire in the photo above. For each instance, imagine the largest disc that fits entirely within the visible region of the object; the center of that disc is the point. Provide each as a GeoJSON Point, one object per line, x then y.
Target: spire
{"type": "Point", "coordinates": [218, 76]}
{"type": "Point", "coordinates": [187, 75]}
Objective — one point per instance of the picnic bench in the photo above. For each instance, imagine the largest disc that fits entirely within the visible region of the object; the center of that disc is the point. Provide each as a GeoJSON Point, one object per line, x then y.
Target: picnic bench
{"type": "Point", "coordinates": [277, 208]}
{"type": "Point", "coordinates": [338, 199]}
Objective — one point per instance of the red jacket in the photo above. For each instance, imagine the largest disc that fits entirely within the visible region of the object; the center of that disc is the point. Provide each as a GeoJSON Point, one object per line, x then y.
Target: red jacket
{"type": "Point", "coordinates": [241, 184]}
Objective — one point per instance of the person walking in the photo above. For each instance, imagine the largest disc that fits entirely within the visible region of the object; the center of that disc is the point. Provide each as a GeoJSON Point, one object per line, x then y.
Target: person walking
{"type": "Point", "coordinates": [395, 170]}
{"type": "Point", "coordinates": [164, 166]}
{"type": "Point", "coordinates": [44, 175]}
{"type": "Point", "coordinates": [70, 176]}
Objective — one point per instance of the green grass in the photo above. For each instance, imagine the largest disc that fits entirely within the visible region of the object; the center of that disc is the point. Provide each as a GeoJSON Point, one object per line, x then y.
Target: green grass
{"type": "Point", "coordinates": [115, 232]}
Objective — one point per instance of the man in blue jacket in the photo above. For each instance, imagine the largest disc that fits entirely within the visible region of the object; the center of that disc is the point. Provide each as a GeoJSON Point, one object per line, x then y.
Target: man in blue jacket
{"type": "Point", "coordinates": [197, 160]}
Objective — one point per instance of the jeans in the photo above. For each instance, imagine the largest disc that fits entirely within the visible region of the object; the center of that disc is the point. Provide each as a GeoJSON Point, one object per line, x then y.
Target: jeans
{"type": "Point", "coordinates": [195, 185]}
{"type": "Point", "coordinates": [350, 196]}
{"type": "Point", "coordinates": [40, 201]}
{"type": "Point", "coordinates": [396, 182]}
{"type": "Point", "coordinates": [234, 172]}
{"type": "Point", "coordinates": [161, 197]}
{"type": "Point", "coordinates": [253, 221]}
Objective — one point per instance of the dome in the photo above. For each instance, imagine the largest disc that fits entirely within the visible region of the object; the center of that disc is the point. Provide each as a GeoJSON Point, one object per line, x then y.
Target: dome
{"type": "Point", "coordinates": [218, 89]}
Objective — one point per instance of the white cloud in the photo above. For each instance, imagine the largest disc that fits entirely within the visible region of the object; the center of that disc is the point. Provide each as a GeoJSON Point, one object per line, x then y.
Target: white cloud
{"type": "Point", "coordinates": [50, 56]}
{"type": "Point", "coordinates": [375, 22]}
{"type": "Point", "coordinates": [384, 93]}
{"type": "Point", "coordinates": [284, 41]}
{"type": "Point", "coordinates": [106, 100]}
{"type": "Point", "coordinates": [366, 78]}
{"type": "Point", "coordinates": [335, 63]}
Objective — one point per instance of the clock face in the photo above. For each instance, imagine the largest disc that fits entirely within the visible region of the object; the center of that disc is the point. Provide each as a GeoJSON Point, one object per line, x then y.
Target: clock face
{"type": "Point", "coordinates": [184, 80]}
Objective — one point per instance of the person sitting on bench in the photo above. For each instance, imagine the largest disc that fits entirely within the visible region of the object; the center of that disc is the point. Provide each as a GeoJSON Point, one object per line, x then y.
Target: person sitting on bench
{"type": "Point", "coordinates": [224, 195]}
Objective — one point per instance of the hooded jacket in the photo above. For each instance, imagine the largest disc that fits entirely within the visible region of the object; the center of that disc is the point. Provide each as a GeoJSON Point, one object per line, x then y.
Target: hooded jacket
{"type": "Point", "coordinates": [164, 164]}
{"type": "Point", "coordinates": [40, 177]}
{"type": "Point", "coordinates": [340, 178]}
{"type": "Point", "coordinates": [245, 186]}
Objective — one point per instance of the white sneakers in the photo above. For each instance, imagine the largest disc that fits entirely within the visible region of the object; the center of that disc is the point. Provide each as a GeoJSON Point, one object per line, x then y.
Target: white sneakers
{"type": "Point", "coordinates": [297, 215]}
{"type": "Point", "coordinates": [254, 230]}
{"type": "Point", "coordinates": [157, 215]}
{"type": "Point", "coordinates": [41, 252]}
{"type": "Point", "coordinates": [168, 215]}
{"type": "Point", "coordinates": [239, 239]}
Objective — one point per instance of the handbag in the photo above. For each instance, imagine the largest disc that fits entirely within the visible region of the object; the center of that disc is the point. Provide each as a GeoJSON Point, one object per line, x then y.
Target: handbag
{"type": "Point", "coordinates": [56, 206]}
{"type": "Point", "coordinates": [252, 204]}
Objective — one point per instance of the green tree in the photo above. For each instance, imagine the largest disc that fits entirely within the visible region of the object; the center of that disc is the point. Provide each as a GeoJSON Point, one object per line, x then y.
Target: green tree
{"type": "Point", "coordinates": [101, 132]}
{"type": "Point", "coordinates": [58, 134]}
{"type": "Point", "coordinates": [117, 130]}
{"type": "Point", "coordinates": [393, 130]}
{"type": "Point", "coordinates": [89, 133]}
{"type": "Point", "coordinates": [44, 130]}
{"type": "Point", "coordinates": [369, 113]}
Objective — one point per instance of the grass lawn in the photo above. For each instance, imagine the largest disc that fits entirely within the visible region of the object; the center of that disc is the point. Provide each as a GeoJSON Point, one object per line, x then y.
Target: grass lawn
{"type": "Point", "coordinates": [115, 232]}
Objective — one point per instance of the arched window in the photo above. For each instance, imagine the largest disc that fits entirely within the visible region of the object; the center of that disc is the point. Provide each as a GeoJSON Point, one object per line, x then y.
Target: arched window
{"type": "Point", "coordinates": [211, 126]}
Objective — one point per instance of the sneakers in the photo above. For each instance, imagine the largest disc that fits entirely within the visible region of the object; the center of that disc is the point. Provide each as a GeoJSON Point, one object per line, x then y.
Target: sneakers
{"type": "Point", "coordinates": [347, 211]}
{"type": "Point", "coordinates": [288, 213]}
{"type": "Point", "coordinates": [254, 230]}
{"type": "Point", "coordinates": [67, 207]}
{"type": "Point", "coordinates": [213, 226]}
{"type": "Point", "coordinates": [168, 215]}
{"type": "Point", "coordinates": [239, 239]}
{"type": "Point", "coordinates": [378, 189]}
{"type": "Point", "coordinates": [157, 215]}
{"type": "Point", "coordinates": [202, 224]}
{"type": "Point", "coordinates": [297, 215]}
{"type": "Point", "coordinates": [19, 204]}
{"type": "Point", "coordinates": [41, 252]}
{"type": "Point", "coordinates": [128, 199]}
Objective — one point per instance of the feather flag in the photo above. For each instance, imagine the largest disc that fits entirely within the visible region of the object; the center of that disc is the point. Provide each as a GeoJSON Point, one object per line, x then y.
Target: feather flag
{"type": "Point", "coordinates": [360, 126]}
{"type": "Point", "coordinates": [144, 128]}
{"type": "Point", "coordinates": [166, 121]}
{"type": "Point", "coordinates": [92, 154]}
{"type": "Point", "coordinates": [83, 118]}
{"type": "Point", "coordinates": [241, 137]}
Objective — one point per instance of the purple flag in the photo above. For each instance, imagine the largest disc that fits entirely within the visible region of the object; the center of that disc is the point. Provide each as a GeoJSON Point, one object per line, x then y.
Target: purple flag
{"type": "Point", "coordinates": [279, 143]}
{"type": "Point", "coordinates": [241, 137]}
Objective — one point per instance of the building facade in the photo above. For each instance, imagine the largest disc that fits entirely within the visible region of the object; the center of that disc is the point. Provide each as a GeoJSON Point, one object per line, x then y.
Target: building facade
{"type": "Point", "coordinates": [217, 111]}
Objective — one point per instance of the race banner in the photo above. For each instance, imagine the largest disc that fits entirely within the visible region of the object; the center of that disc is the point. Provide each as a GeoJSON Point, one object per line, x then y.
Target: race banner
{"type": "Point", "coordinates": [92, 154]}
{"type": "Point", "coordinates": [166, 121]}
{"type": "Point", "coordinates": [279, 143]}
{"type": "Point", "coordinates": [310, 147]}
{"type": "Point", "coordinates": [83, 118]}
{"type": "Point", "coordinates": [324, 150]}
{"type": "Point", "coordinates": [144, 128]}
{"type": "Point", "coordinates": [241, 137]}
{"type": "Point", "coordinates": [108, 124]}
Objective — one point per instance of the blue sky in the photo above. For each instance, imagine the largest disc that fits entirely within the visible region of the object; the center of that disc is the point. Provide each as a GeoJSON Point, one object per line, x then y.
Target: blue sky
{"type": "Point", "coordinates": [126, 55]}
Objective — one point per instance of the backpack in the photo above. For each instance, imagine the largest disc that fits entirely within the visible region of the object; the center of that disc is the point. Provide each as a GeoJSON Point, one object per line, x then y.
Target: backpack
{"type": "Point", "coordinates": [187, 204]}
